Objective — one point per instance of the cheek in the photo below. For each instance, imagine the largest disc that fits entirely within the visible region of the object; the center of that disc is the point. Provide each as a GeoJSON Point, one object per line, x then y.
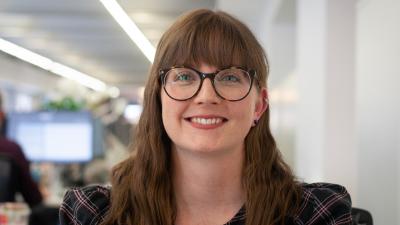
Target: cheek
{"type": "Point", "coordinates": [165, 111]}
{"type": "Point", "coordinates": [171, 112]}
{"type": "Point", "coordinates": [246, 116]}
{"type": "Point", "coordinates": [245, 110]}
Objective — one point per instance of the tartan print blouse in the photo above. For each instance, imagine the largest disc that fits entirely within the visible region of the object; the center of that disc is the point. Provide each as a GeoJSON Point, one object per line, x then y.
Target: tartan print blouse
{"type": "Point", "coordinates": [322, 204]}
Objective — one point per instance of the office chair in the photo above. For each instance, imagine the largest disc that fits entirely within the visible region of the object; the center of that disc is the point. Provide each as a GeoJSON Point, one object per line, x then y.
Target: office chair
{"type": "Point", "coordinates": [361, 217]}
{"type": "Point", "coordinates": [8, 172]}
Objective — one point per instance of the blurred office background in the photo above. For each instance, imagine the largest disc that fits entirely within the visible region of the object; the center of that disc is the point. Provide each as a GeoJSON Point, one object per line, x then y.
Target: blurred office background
{"type": "Point", "coordinates": [334, 87]}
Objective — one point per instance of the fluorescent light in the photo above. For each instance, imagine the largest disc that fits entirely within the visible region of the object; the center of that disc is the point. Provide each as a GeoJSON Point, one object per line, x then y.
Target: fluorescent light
{"type": "Point", "coordinates": [77, 76]}
{"type": "Point", "coordinates": [52, 66]}
{"type": "Point", "coordinates": [134, 33]}
{"type": "Point", "coordinates": [25, 54]}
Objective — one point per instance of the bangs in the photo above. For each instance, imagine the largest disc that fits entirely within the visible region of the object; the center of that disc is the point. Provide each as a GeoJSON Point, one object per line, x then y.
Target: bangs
{"type": "Point", "coordinates": [213, 39]}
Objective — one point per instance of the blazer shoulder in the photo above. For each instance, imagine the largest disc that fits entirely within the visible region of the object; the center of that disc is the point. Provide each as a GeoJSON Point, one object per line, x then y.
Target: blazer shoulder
{"type": "Point", "coordinates": [85, 205]}
{"type": "Point", "coordinates": [324, 203]}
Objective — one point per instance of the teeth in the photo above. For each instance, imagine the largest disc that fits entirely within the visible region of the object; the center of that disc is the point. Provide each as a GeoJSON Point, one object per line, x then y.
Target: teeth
{"type": "Point", "coordinates": [206, 121]}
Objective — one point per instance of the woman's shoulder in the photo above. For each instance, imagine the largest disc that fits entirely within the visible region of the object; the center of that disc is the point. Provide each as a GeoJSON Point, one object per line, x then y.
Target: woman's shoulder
{"type": "Point", "coordinates": [85, 205]}
{"type": "Point", "coordinates": [324, 203]}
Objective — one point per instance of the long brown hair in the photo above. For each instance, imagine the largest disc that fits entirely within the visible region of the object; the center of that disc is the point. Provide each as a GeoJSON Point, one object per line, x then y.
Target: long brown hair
{"type": "Point", "coordinates": [142, 192]}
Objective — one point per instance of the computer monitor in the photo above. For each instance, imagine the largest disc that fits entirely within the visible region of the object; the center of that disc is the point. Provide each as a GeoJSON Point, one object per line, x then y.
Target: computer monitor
{"type": "Point", "coordinates": [61, 137]}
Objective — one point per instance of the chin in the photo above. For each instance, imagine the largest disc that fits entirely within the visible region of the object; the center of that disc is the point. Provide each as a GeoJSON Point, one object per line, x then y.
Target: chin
{"type": "Point", "coordinates": [202, 148]}
{"type": "Point", "coordinates": [207, 150]}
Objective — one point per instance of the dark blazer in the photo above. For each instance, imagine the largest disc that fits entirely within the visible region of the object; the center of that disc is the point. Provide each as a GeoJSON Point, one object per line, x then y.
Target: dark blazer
{"type": "Point", "coordinates": [322, 204]}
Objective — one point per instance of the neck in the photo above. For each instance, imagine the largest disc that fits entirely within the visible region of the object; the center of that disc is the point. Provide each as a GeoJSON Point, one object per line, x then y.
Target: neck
{"type": "Point", "coordinates": [208, 181]}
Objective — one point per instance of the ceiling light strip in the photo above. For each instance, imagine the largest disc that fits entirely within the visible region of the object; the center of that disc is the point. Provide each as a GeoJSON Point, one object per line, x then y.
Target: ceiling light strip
{"type": "Point", "coordinates": [25, 54]}
{"type": "Point", "coordinates": [52, 66]}
{"type": "Point", "coordinates": [134, 33]}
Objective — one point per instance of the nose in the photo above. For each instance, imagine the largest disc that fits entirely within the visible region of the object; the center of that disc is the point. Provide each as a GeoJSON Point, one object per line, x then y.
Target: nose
{"type": "Point", "coordinates": [207, 94]}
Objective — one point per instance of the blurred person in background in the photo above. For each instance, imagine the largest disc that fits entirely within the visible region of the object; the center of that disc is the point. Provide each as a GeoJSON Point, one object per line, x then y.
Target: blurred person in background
{"type": "Point", "coordinates": [3, 122]}
{"type": "Point", "coordinates": [203, 151]}
{"type": "Point", "coordinates": [24, 184]}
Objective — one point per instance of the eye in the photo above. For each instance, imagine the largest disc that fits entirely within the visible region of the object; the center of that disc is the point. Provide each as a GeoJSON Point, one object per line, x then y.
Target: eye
{"type": "Point", "coordinates": [233, 77]}
{"type": "Point", "coordinates": [183, 77]}
{"type": "Point", "coordinates": [230, 78]}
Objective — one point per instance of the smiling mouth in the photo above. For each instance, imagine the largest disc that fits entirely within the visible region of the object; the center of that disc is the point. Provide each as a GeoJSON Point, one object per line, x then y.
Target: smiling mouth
{"type": "Point", "coordinates": [206, 121]}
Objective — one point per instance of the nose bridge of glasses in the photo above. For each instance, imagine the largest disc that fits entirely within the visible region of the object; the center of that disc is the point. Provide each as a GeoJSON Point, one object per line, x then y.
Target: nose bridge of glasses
{"type": "Point", "coordinates": [207, 87]}
{"type": "Point", "coordinates": [210, 76]}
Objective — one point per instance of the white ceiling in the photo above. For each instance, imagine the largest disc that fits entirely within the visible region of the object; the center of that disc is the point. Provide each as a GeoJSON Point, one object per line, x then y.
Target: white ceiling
{"type": "Point", "coordinates": [81, 34]}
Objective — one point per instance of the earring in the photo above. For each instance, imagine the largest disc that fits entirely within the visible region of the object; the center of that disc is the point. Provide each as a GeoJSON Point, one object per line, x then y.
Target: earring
{"type": "Point", "coordinates": [255, 122]}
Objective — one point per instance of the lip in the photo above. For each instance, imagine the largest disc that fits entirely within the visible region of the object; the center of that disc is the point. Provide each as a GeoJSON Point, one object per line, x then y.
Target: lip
{"type": "Point", "coordinates": [206, 126]}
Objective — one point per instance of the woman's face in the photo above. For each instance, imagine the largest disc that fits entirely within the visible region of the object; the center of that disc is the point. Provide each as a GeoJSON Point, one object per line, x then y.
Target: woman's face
{"type": "Point", "coordinates": [207, 123]}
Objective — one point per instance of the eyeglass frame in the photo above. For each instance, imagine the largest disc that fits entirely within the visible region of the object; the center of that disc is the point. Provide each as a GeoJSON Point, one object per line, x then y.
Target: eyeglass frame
{"type": "Point", "coordinates": [251, 72]}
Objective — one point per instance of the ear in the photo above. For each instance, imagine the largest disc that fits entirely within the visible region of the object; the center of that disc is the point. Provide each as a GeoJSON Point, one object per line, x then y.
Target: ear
{"type": "Point", "coordinates": [261, 104]}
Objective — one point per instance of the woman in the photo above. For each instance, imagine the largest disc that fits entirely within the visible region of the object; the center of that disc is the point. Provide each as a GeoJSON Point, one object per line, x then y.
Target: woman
{"type": "Point", "coordinates": [204, 153]}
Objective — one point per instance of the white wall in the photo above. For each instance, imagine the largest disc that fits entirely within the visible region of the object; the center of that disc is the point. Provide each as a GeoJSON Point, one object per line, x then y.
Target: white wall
{"type": "Point", "coordinates": [378, 108]}
{"type": "Point", "coordinates": [325, 138]}
{"type": "Point", "coordinates": [340, 162]}
{"type": "Point", "coordinates": [311, 20]}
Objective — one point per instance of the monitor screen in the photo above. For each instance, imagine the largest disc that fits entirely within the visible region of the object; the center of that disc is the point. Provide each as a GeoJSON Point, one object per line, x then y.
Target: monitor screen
{"type": "Point", "coordinates": [53, 136]}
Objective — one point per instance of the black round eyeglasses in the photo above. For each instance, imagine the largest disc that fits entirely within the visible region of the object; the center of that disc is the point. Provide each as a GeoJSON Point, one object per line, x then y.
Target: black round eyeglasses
{"type": "Point", "coordinates": [183, 83]}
